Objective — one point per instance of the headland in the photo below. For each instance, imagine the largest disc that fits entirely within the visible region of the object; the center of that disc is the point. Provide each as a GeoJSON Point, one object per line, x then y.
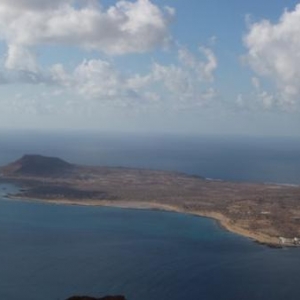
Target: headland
{"type": "Point", "coordinates": [267, 213]}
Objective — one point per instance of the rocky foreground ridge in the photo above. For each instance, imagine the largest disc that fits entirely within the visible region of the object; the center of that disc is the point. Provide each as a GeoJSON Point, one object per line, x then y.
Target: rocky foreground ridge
{"type": "Point", "coordinates": [267, 213]}
{"type": "Point", "coordinates": [92, 298]}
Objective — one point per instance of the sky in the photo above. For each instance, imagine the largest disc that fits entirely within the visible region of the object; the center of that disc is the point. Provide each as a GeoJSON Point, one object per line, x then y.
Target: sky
{"type": "Point", "coordinates": [170, 66]}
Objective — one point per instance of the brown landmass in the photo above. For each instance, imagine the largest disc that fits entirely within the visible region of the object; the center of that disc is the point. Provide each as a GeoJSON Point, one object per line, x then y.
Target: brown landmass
{"type": "Point", "coordinates": [267, 213]}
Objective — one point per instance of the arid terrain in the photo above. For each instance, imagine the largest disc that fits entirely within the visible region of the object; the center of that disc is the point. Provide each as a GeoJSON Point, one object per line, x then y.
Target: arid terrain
{"type": "Point", "coordinates": [267, 213]}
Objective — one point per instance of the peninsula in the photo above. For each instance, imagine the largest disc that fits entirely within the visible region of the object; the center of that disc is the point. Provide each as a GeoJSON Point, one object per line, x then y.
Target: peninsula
{"type": "Point", "coordinates": [266, 213]}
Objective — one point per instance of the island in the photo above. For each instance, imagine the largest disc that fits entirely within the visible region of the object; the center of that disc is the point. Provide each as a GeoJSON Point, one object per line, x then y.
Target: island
{"type": "Point", "coordinates": [267, 213]}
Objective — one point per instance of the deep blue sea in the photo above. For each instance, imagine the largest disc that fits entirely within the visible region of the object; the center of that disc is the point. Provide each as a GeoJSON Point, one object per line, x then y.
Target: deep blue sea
{"type": "Point", "coordinates": [50, 252]}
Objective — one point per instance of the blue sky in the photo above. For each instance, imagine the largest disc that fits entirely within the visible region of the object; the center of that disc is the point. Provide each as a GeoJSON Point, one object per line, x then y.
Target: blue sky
{"type": "Point", "coordinates": [194, 67]}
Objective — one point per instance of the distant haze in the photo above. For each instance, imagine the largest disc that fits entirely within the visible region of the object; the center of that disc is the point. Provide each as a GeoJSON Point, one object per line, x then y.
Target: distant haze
{"type": "Point", "coordinates": [226, 157]}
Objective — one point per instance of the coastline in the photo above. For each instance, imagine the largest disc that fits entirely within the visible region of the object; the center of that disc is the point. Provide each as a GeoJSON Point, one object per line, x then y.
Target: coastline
{"type": "Point", "coordinates": [222, 220]}
{"type": "Point", "coordinates": [267, 214]}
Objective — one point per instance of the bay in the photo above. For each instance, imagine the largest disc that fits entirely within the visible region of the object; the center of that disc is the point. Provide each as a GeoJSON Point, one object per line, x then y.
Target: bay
{"type": "Point", "coordinates": [54, 251]}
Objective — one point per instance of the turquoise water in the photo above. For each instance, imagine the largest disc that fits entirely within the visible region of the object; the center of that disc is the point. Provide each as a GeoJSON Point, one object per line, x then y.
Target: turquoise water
{"type": "Point", "coordinates": [50, 252]}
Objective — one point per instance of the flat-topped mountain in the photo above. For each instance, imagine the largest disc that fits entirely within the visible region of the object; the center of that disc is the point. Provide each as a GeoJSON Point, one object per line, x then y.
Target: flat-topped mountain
{"type": "Point", "coordinates": [37, 165]}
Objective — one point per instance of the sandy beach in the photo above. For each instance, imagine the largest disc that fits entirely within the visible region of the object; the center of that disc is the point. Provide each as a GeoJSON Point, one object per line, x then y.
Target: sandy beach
{"type": "Point", "coordinates": [223, 221]}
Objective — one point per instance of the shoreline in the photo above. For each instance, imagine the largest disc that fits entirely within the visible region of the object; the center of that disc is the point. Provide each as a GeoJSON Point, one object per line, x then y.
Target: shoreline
{"type": "Point", "coordinates": [267, 214]}
{"type": "Point", "coordinates": [224, 222]}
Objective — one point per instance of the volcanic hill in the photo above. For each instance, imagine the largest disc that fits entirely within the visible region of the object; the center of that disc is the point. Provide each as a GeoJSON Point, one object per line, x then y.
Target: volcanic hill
{"type": "Point", "coordinates": [37, 165]}
{"type": "Point", "coordinates": [267, 213]}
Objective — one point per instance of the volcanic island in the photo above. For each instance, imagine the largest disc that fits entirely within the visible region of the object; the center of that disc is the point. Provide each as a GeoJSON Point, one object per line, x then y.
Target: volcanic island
{"type": "Point", "coordinates": [267, 213]}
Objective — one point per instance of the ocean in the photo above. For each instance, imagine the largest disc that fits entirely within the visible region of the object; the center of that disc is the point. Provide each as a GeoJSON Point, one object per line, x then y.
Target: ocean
{"type": "Point", "coordinates": [50, 252]}
{"type": "Point", "coordinates": [256, 159]}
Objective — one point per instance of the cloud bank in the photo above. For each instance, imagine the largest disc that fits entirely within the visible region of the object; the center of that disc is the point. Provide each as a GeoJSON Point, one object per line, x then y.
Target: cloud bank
{"type": "Point", "coordinates": [274, 54]}
{"type": "Point", "coordinates": [126, 27]}
{"type": "Point", "coordinates": [182, 85]}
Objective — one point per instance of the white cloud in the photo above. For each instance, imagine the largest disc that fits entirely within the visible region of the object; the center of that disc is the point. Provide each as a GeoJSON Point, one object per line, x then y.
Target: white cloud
{"type": "Point", "coordinates": [203, 69]}
{"type": "Point", "coordinates": [184, 83]}
{"type": "Point", "coordinates": [258, 99]}
{"type": "Point", "coordinates": [256, 83]}
{"type": "Point", "coordinates": [21, 59]}
{"type": "Point", "coordinates": [240, 101]}
{"type": "Point", "coordinates": [263, 97]}
{"type": "Point", "coordinates": [190, 80]}
{"type": "Point", "coordinates": [99, 80]}
{"type": "Point", "coordinates": [126, 27]}
{"type": "Point", "coordinates": [34, 4]}
{"type": "Point", "coordinates": [274, 53]}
